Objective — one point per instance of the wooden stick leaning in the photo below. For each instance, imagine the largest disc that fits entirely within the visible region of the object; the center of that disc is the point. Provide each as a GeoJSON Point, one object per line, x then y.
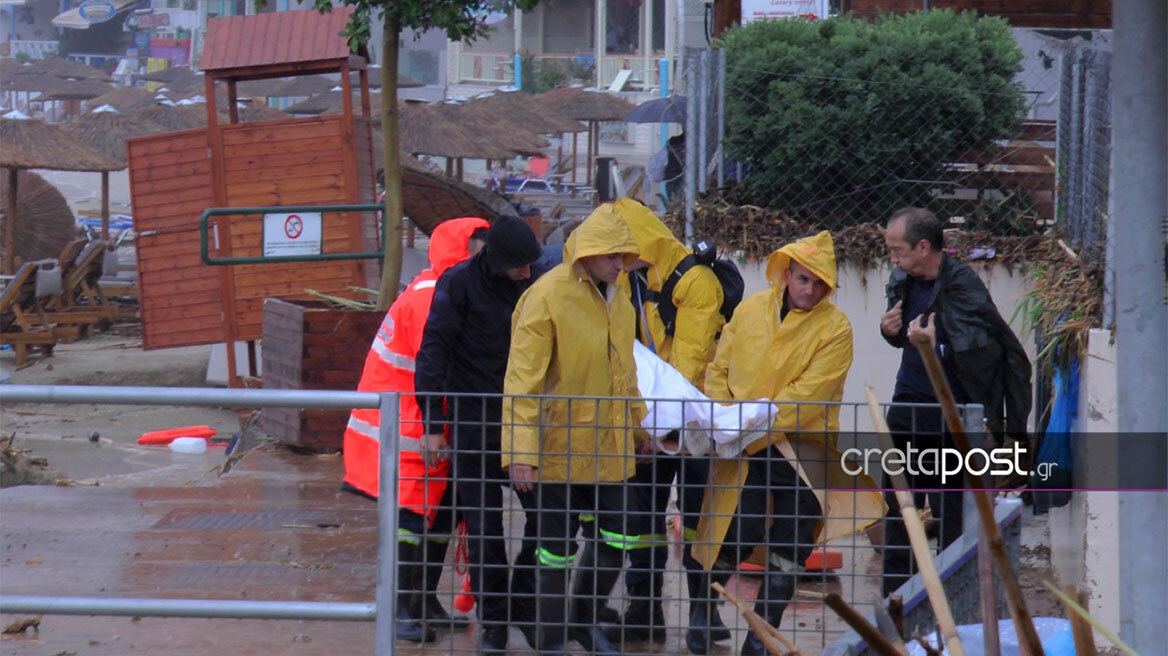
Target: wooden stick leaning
{"type": "Point", "coordinates": [769, 635]}
{"type": "Point", "coordinates": [989, 595]}
{"type": "Point", "coordinates": [1028, 640]}
{"type": "Point", "coordinates": [869, 633]}
{"type": "Point", "coordinates": [917, 537]}
{"type": "Point", "coordinates": [1080, 627]}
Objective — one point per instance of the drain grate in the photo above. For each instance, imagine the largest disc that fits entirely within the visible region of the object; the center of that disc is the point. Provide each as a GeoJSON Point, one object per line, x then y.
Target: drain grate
{"type": "Point", "coordinates": [264, 519]}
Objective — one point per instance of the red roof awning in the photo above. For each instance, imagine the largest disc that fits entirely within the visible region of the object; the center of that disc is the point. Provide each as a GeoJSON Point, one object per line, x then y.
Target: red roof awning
{"type": "Point", "coordinates": [285, 39]}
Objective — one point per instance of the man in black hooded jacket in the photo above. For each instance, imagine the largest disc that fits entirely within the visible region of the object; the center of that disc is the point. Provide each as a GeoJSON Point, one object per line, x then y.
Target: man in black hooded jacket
{"type": "Point", "coordinates": [458, 377]}
{"type": "Point", "coordinates": [982, 358]}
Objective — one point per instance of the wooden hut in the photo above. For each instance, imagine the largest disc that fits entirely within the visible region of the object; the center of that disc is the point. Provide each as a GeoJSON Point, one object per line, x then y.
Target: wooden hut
{"type": "Point", "coordinates": [312, 161]}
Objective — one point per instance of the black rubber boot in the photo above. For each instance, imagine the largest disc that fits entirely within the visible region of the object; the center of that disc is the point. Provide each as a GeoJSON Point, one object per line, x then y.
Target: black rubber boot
{"type": "Point", "coordinates": [410, 581]}
{"type": "Point", "coordinates": [598, 569]}
{"type": "Point", "coordinates": [776, 592]}
{"type": "Point", "coordinates": [429, 609]}
{"type": "Point", "coordinates": [551, 617]}
{"type": "Point", "coordinates": [705, 625]}
{"type": "Point", "coordinates": [644, 619]}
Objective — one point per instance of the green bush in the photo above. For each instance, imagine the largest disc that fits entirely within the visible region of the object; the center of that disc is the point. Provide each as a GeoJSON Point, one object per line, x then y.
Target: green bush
{"type": "Point", "coordinates": [843, 120]}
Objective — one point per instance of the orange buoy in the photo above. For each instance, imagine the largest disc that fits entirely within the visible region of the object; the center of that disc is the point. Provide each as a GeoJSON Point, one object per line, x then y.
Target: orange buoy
{"type": "Point", "coordinates": [168, 435]}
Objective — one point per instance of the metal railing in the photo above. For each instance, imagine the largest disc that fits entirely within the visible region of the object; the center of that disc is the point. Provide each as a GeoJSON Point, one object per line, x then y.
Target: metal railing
{"type": "Point", "coordinates": [204, 224]}
{"type": "Point", "coordinates": [381, 611]}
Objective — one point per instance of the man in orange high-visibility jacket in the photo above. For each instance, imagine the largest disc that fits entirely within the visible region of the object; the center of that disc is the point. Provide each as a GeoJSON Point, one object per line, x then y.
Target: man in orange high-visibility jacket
{"type": "Point", "coordinates": [422, 491]}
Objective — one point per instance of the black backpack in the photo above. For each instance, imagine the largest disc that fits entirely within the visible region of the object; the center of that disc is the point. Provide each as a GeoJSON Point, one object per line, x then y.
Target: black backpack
{"type": "Point", "coordinates": [706, 254]}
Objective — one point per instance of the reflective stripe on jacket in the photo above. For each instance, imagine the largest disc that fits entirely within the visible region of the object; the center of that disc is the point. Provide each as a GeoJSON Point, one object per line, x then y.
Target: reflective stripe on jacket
{"type": "Point", "coordinates": [389, 367]}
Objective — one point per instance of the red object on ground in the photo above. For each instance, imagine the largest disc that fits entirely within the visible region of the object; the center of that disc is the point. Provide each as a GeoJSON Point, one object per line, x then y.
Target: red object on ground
{"type": "Point", "coordinates": [824, 559]}
{"type": "Point", "coordinates": [168, 435]}
{"type": "Point", "coordinates": [820, 560]}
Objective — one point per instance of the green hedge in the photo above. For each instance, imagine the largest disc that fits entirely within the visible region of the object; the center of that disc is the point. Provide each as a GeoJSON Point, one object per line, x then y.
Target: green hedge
{"type": "Point", "coordinates": [840, 120]}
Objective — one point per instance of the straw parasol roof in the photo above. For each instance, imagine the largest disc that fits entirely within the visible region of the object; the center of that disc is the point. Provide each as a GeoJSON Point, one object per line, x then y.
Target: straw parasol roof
{"type": "Point", "coordinates": [331, 103]}
{"type": "Point", "coordinates": [25, 82]}
{"type": "Point", "coordinates": [51, 147]}
{"type": "Point", "coordinates": [13, 157]}
{"type": "Point", "coordinates": [173, 118]}
{"type": "Point", "coordinates": [192, 83]}
{"type": "Point", "coordinates": [107, 132]}
{"type": "Point", "coordinates": [62, 68]}
{"type": "Point", "coordinates": [75, 90]}
{"type": "Point", "coordinates": [168, 74]}
{"type": "Point", "coordinates": [11, 67]}
{"type": "Point", "coordinates": [256, 111]}
{"type": "Point", "coordinates": [45, 221]}
{"type": "Point", "coordinates": [304, 85]}
{"type": "Point", "coordinates": [123, 99]}
{"type": "Point", "coordinates": [430, 198]}
{"type": "Point", "coordinates": [424, 130]}
{"type": "Point", "coordinates": [586, 104]}
{"type": "Point", "coordinates": [490, 127]}
{"type": "Point", "coordinates": [374, 75]}
{"type": "Point", "coordinates": [523, 109]}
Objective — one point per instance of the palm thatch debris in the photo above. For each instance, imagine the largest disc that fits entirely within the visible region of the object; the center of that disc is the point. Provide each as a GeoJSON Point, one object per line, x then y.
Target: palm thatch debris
{"type": "Point", "coordinates": [44, 221]}
{"type": "Point", "coordinates": [19, 467]}
{"type": "Point", "coordinates": [756, 232]}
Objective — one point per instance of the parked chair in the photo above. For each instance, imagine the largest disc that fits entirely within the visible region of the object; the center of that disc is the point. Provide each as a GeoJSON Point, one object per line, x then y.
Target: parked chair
{"type": "Point", "coordinates": [80, 289]}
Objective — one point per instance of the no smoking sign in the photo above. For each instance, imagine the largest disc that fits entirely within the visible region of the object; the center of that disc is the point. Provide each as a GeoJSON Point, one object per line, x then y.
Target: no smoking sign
{"type": "Point", "coordinates": [292, 234]}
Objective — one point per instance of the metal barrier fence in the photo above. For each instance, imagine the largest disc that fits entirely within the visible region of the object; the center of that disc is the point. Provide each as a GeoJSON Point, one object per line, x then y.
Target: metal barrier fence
{"type": "Point", "coordinates": [551, 566]}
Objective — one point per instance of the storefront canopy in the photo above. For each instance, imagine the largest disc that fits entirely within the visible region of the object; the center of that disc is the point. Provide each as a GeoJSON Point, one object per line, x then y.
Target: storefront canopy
{"type": "Point", "coordinates": [91, 13]}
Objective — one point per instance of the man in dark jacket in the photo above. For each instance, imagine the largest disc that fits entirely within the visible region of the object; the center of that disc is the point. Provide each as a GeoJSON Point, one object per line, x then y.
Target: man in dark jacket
{"type": "Point", "coordinates": [982, 358]}
{"type": "Point", "coordinates": [461, 364]}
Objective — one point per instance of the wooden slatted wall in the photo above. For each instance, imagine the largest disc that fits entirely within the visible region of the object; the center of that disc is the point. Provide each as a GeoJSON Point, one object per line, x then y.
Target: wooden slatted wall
{"type": "Point", "coordinates": [276, 163]}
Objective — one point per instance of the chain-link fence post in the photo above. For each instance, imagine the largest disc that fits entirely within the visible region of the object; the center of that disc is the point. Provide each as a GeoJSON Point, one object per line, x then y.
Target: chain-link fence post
{"type": "Point", "coordinates": [691, 139]}
{"type": "Point", "coordinates": [387, 583]}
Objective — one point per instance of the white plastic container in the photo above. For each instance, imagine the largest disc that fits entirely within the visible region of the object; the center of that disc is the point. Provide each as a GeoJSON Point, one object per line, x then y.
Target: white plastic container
{"type": "Point", "coordinates": [188, 445]}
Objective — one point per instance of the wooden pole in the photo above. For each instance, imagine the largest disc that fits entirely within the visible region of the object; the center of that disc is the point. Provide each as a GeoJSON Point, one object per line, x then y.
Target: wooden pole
{"type": "Point", "coordinates": [1080, 628]}
{"type": "Point", "coordinates": [1028, 640]}
{"type": "Point", "coordinates": [869, 633]}
{"type": "Point", "coordinates": [769, 635]}
{"type": "Point", "coordinates": [10, 224]}
{"type": "Point", "coordinates": [989, 595]}
{"type": "Point", "coordinates": [588, 164]}
{"type": "Point", "coordinates": [916, 536]}
{"type": "Point", "coordinates": [575, 162]}
{"type": "Point", "coordinates": [105, 215]}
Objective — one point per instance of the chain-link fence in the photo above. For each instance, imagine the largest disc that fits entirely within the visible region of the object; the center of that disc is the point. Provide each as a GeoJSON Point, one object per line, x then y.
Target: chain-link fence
{"type": "Point", "coordinates": [607, 550]}
{"type": "Point", "coordinates": [1084, 155]}
{"type": "Point", "coordinates": [831, 132]}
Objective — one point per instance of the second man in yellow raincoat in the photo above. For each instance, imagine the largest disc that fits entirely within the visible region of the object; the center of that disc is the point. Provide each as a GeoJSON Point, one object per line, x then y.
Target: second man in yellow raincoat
{"type": "Point", "coordinates": [572, 335]}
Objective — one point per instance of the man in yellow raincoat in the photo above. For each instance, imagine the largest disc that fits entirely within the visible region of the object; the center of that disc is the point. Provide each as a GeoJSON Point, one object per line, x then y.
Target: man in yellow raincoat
{"type": "Point", "coordinates": [572, 336]}
{"type": "Point", "coordinates": [688, 344]}
{"type": "Point", "coordinates": [789, 344]}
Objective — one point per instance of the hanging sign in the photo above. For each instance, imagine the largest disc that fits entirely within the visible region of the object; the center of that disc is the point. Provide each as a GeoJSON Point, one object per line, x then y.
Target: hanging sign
{"type": "Point", "coordinates": [96, 11]}
{"type": "Point", "coordinates": [753, 10]}
{"type": "Point", "coordinates": [292, 234]}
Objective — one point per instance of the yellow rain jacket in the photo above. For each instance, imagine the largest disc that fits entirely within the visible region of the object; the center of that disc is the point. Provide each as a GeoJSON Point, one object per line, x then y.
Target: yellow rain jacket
{"type": "Point", "coordinates": [697, 296]}
{"type": "Point", "coordinates": [568, 339]}
{"type": "Point", "coordinates": [806, 357]}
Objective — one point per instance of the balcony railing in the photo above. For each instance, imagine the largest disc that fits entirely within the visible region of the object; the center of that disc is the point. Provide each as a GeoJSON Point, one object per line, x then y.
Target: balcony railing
{"type": "Point", "coordinates": [31, 49]}
{"type": "Point", "coordinates": [495, 68]}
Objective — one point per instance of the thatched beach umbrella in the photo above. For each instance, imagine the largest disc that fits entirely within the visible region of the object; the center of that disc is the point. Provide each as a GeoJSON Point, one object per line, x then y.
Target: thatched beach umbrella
{"type": "Point", "coordinates": [65, 68]}
{"type": "Point", "coordinates": [123, 99]}
{"type": "Point", "coordinates": [46, 222]}
{"type": "Point", "coordinates": [489, 127]}
{"type": "Point", "coordinates": [587, 105]}
{"type": "Point", "coordinates": [522, 109]}
{"type": "Point", "coordinates": [168, 74]}
{"type": "Point", "coordinates": [107, 131]}
{"type": "Point", "coordinates": [74, 91]}
{"type": "Point", "coordinates": [177, 117]}
{"type": "Point", "coordinates": [36, 144]}
{"type": "Point", "coordinates": [304, 85]}
{"type": "Point", "coordinates": [424, 130]}
{"type": "Point", "coordinates": [256, 111]}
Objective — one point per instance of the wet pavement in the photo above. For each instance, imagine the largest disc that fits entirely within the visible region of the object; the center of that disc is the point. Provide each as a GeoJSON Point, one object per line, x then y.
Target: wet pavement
{"type": "Point", "coordinates": [275, 528]}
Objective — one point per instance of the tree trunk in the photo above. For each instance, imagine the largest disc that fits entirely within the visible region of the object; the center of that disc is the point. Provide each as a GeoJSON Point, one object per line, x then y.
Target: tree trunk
{"type": "Point", "coordinates": [392, 229]}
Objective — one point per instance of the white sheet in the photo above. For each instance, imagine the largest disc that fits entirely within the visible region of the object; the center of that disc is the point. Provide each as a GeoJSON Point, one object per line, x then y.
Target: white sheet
{"type": "Point", "coordinates": [705, 425]}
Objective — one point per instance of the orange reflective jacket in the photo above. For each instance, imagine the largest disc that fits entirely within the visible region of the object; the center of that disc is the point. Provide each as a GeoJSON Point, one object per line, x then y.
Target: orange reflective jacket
{"type": "Point", "coordinates": [389, 367]}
